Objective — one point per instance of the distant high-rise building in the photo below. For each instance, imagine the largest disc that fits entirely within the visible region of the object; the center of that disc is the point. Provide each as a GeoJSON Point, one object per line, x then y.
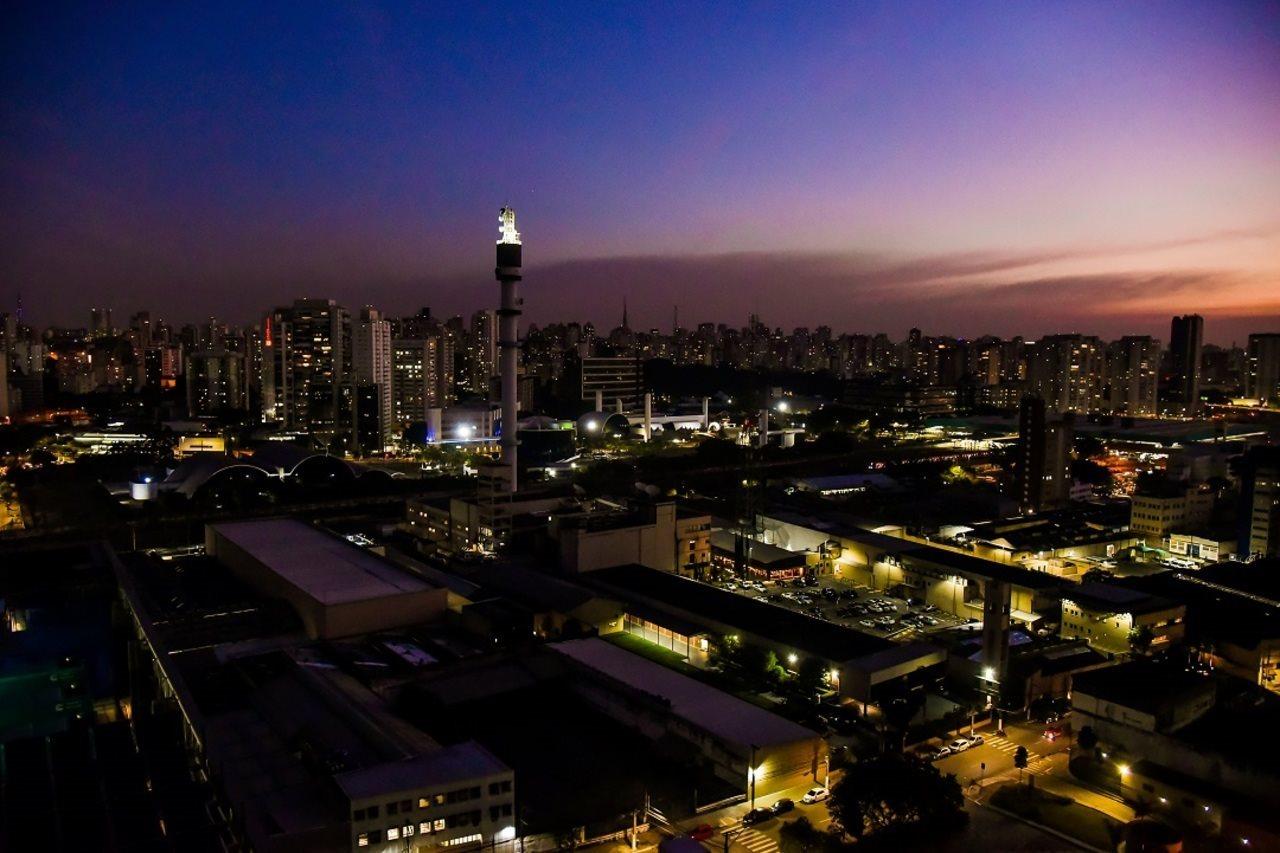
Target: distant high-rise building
{"type": "Point", "coordinates": [306, 367]}
{"type": "Point", "coordinates": [482, 352]}
{"type": "Point", "coordinates": [1042, 465]}
{"type": "Point", "coordinates": [1259, 513]}
{"type": "Point", "coordinates": [1263, 379]}
{"type": "Point", "coordinates": [140, 325]}
{"type": "Point", "coordinates": [1186, 337]}
{"type": "Point", "coordinates": [371, 366]}
{"type": "Point", "coordinates": [1065, 371]}
{"type": "Point", "coordinates": [217, 381]}
{"type": "Point", "coordinates": [617, 380]}
{"type": "Point", "coordinates": [1133, 372]}
{"type": "Point", "coordinates": [420, 377]}
{"type": "Point", "coordinates": [100, 322]}
{"type": "Point", "coordinates": [6, 405]}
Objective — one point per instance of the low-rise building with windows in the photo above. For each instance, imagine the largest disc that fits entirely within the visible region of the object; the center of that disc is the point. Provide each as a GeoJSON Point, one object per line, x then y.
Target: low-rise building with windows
{"type": "Point", "coordinates": [1115, 619]}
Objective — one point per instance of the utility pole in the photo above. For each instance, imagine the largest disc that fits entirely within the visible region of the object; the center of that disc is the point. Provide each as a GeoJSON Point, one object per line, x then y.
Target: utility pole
{"type": "Point", "coordinates": [752, 771]}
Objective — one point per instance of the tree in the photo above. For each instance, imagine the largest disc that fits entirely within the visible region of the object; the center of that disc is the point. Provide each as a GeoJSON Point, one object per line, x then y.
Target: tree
{"type": "Point", "coordinates": [801, 836]}
{"type": "Point", "coordinates": [811, 677]}
{"type": "Point", "coordinates": [1140, 638]}
{"type": "Point", "coordinates": [893, 792]}
{"type": "Point", "coordinates": [1020, 761]}
{"type": "Point", "coordinates": [901, 710]}
{"type": "Point", "coordinates": [759, 662]}
{"type": "Point", "coordinates": [1088, 739]}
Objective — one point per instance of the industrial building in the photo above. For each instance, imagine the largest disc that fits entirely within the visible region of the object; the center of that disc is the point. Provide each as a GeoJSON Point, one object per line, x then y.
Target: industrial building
{"type": "Point", "coordinates": [687, 617]}
{"type": "Point", "coordinates": [303, 754]}
{"type": "Point", "coordinates": [338, 589]}
{"type": "Point", "coordinates": [1112, 618]}
{"type": "Point", "coordinates": [745, 745]}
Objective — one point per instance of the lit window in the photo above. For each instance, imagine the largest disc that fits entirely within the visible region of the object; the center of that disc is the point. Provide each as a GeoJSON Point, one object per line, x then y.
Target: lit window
{"type": "Point", "coordinates": [423, 802]}
{"type": "Point", "coordinates": [362, 840]}
{"type": "Point", "coordinates": [393, 833]}
{"type": "Point", "coordinates": [439, 824]}
{"type": "Point", "coordinates": [424, 827]}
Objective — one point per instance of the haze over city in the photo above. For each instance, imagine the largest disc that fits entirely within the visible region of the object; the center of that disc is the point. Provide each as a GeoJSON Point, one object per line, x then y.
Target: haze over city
{"type": "Point", "coordinates": [1088, 167]}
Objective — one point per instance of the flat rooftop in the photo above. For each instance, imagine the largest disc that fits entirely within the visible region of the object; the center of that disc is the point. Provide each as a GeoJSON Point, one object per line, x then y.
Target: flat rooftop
{"type": "Point", "coordinates": [688, 600]}
{"type": "Point", "coordinates": [966, 564]}
{"type": "Point", "coordinates": [1112, 598]}
{"type": "Point", "coordinates": [761, 552]}
{"type": "Point", "coordinates": [1141, 684]}
{"type": "Point", "coordinates": [463, 761]}
{"type": "Point", "coordinates": [325, 567]}
{"type": "Point", "coordinates": [727, 717]}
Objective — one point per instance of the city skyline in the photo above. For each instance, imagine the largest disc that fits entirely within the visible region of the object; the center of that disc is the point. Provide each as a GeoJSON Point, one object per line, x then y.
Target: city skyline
{"type": "Point", "coordinates": [1055, 170]}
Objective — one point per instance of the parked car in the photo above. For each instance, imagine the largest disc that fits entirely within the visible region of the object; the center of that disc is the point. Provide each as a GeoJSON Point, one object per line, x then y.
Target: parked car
{"type": "Point", "coordinates": [702, 832]}
{"type": "Point", "coordinates": [815, 795]}
{"type": "Point", "coordinates": [976, 740]}
{"type": "Point", "coordinates": [933, 753]}
{"type": "Point", "coordinates": [782, 806]}
{"type": "Point", "coordinates": [960, 744]}
{"type": "Point", "coordinates": [756, 816]}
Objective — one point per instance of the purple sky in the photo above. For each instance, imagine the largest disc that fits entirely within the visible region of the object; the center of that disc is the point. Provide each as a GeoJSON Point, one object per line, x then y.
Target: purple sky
{"type": "Point", "coordinates": [1008, 168]}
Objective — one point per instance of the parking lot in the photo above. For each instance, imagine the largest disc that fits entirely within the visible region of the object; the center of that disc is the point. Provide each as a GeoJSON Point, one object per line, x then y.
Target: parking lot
{"type": "Point", "coordinates": [849, 604]}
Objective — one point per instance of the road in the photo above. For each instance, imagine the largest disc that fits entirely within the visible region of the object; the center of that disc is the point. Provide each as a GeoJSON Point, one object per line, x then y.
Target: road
{"type": "Point", "coordinates": [997, 754]}
{"type": "Point", "coordinates": [987, 830]}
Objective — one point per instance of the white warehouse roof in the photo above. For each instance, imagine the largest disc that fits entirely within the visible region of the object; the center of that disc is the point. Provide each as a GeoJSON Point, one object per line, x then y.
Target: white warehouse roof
{"type": "Point", "coordinates": [727, 717]}
{"type": "Point", "coordinates": [323, 566]}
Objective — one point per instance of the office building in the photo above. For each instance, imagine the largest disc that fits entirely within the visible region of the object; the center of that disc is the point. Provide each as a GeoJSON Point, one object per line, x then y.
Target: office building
{"type": "Point", "coordinates": [1163, 507]}
{"type": "Point", "coordinates": [1186, 338]}
{"type": "Point", "coordinates": [1262, 381]}
{"type": "Point", "coordinates": [612, 381]}
{"type": "Point", "coordinates": [1111, 618]}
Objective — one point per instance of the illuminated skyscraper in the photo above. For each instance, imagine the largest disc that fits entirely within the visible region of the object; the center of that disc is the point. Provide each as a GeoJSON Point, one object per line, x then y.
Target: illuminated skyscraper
{"type": "Point", "coordinates": [1066, 372]}
{"type": "Point", "coordinates": [482, 352]}
{"type": "Point", "coordinates": [1133, 372]}
{"type": "Point", "coordinates": [307, 368]}
{"type": "Point", "coordinates": [1263, 380]}
{"type": "Point", "coordinates": [371, 368]}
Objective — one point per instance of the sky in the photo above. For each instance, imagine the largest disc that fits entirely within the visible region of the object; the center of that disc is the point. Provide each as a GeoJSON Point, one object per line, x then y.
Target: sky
{"type": "Point", "coordinates": [967, 168]}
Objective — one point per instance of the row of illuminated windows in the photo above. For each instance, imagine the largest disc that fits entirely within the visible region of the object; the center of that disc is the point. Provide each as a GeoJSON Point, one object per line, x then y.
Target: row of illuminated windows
{"type": "Point", "coordinates": [460, 795]}
{"type": "Point", "coordinates": [428, 827]}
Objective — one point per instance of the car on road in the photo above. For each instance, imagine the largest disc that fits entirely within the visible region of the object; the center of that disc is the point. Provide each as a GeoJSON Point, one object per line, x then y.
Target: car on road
{"type": "Point", "coordinates": [756, 816]}
{"type": "Point", "coordinates": [782, 806]}
{"type": "Point", "coordinates": [815, 795]}
{"type": "Point", "coordinates": [976, 740]}
{"type": "Point", "coordinates": [702, 832]}
{"type": "Point", "coordinates": [933, 753]}
{"type": "Point", "coordinates": [960, 744]}
{"type": "Point", "coordinates": [1054, 731]}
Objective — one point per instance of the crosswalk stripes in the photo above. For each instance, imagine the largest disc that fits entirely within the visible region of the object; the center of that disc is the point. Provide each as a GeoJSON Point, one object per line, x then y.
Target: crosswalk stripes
{"type": "Point", "coordinates": [756, 842]}
{"type": "Point", "coordinates": [1001, 745]}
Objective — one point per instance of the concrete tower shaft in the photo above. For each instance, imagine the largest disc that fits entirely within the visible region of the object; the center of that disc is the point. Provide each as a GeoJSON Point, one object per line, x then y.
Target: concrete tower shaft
{"type": "Point", "coordinates": [508, 274]}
